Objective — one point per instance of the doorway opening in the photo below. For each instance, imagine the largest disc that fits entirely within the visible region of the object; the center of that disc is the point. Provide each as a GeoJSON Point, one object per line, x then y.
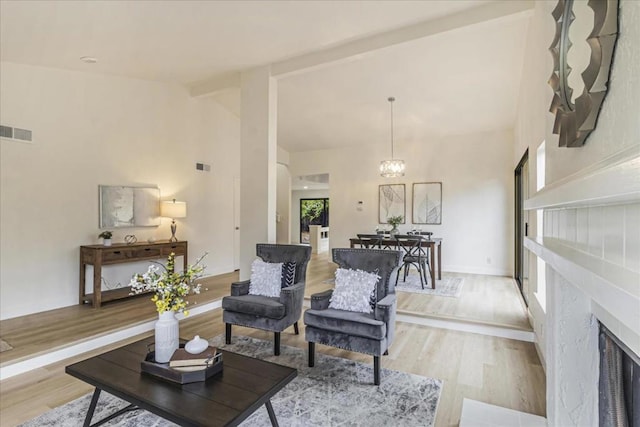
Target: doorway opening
{"type": "Point", "coordinates": [309, 207]}
{"type": "Point", "coordinates": [313, 212]}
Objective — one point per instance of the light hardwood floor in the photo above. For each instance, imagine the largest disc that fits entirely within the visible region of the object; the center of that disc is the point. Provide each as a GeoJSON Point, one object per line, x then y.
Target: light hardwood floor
{"type": "Point", "coordinates": [494, 370]}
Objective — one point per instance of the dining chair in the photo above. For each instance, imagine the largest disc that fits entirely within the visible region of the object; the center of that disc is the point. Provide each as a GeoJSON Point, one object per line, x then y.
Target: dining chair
{"type": "Point", "coordinates": [371, 241]}
{"type": "Point", "coordinates": [411, 246]}
{"type": "Point", "coordinates": [427, 236]}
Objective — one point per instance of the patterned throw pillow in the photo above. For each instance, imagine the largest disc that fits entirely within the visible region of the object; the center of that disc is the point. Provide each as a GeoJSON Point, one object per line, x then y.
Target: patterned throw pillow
{"type": "Point", "coordinates": [266, 278]}
{"type": "Point", "coordinates": [288, 273]}
{"type": "Point", "coordinates": [353, 290]}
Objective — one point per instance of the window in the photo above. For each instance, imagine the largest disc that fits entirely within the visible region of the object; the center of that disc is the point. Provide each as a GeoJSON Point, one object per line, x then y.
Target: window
{"type": "Point", "coordinates": [541, 288]}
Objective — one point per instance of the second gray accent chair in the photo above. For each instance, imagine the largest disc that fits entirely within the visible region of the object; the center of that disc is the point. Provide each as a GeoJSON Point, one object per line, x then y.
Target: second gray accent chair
{"type": "Point", "coordinates": [269, 313]}
{"type": "Point", "coordinates": [369, 333]}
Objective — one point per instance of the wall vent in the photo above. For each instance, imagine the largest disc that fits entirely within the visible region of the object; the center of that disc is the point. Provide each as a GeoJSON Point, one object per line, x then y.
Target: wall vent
{"type": "Point", "coordinates": [16, 134]}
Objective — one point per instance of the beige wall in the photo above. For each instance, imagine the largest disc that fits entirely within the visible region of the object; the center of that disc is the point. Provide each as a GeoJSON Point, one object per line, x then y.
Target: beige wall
{"type": "Point", "coordinates": [477, 179]}
{"type": "Point", "coordinates": [93, 129]}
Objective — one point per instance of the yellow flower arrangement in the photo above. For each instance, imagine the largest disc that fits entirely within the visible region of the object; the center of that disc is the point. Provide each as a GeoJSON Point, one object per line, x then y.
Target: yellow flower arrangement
{"type": "Point", "coordinates": [169, 288]}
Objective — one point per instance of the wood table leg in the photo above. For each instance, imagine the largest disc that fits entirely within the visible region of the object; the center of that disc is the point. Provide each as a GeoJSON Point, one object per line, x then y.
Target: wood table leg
{"type": "Point", "coordinates": [432, 251]}
{"type": "Point", "coordinates": [440, 261]}
{"type": "Point", "coordinates": [97, 282]}
{"type": "Point", "coordinates": [272, 415]}
{"type": "Point", "coordinates": [185, 260]}
{"type": "Point", "coordinates": [83, 275]}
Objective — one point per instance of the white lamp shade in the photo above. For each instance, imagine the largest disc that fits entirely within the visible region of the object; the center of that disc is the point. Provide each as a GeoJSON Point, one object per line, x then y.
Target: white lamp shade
{"type": "Point", "coordinates": [173, 209]}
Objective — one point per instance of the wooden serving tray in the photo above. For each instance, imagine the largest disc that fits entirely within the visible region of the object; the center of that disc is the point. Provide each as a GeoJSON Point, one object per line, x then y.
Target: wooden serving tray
{"type": "Point", "coordinates": [163, 371]}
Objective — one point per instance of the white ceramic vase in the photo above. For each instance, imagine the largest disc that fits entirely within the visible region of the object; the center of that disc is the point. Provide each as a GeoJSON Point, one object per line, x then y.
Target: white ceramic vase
{"type": "Point", "coordinates": [167, 336]}
{"type": "Point", "coordinates": [106, 242]}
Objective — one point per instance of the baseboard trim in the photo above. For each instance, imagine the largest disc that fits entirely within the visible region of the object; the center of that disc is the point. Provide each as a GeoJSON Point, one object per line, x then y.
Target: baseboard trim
{"type": "Point", "coordinates": [450, 268]}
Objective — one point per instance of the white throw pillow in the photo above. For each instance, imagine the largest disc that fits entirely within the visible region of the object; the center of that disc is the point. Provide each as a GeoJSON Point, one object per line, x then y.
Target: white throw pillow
{"type": "Point", "coordinates": [266, 278]}
{"type": "Point", "coordinates": [353, 290]}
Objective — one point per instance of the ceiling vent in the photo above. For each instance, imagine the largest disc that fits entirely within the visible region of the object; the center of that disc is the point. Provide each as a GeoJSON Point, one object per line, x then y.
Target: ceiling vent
{"type": "Point", "coordinates": [16, 134]}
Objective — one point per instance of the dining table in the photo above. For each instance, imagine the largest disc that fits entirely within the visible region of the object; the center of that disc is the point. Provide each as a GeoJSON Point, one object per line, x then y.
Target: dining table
{"type": "Point", "coordinates": [431, 243]}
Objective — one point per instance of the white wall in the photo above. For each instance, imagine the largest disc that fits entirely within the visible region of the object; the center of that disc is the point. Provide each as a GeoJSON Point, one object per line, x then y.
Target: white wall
{"type": "Point", "coordinates": [477, 179]}
{"type": "Point", "coordinates": [283, 205]}
{"type": "Point", "coordinates": [296, 195]}
{"type": "Point", "coordinates": [607, 236]}
{"type": "Point", "coordinates": [530, 132]}
{"type": "Point", "coordinates": [95, 129]}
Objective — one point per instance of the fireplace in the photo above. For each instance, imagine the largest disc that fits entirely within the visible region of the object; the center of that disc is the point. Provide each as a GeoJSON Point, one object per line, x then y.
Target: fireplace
{"type": "Point", "coordinates": [619, 384]}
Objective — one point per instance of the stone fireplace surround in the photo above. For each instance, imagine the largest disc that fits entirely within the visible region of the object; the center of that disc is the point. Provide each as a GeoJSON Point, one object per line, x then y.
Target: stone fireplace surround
{"type": "Point", "coordinates": [591, 247]}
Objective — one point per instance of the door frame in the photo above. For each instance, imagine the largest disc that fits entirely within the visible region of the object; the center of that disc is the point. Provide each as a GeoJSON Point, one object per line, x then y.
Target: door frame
{"type": "Point", "coordinates": [520, 251]}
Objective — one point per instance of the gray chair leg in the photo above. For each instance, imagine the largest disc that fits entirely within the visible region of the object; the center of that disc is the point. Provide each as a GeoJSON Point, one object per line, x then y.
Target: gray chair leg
{"type": "Point", "coordinates": [376, 370]}
{"type": "Point", "coordinates": [295, 328]}
{"type": "Point", "coordinates": [312, 354]}
{"type": "Point", "coordinates": [276, 343]}
{"type": "Point", "coordinates": [227, 333]}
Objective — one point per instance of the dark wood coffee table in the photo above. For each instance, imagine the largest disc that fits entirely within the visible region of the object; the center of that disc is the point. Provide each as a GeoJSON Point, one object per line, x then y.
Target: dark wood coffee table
{"type": "Point", "coordinates": [226, 399]}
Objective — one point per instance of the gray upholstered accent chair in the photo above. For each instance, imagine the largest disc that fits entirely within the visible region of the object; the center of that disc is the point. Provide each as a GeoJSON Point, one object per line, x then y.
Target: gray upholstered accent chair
{"type": "Point", "coordinates": [369, 333]}
{"type": "Point", "coordinates": [269, 313]}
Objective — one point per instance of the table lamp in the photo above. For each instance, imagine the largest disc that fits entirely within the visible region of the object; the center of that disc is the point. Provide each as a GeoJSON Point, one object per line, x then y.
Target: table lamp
{"type": "Point", "coordinates": [172, 209]}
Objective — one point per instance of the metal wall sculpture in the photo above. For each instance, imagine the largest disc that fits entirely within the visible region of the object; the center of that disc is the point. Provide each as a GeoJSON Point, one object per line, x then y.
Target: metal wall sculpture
{"type": "Point", "coordinates": [576, 117]}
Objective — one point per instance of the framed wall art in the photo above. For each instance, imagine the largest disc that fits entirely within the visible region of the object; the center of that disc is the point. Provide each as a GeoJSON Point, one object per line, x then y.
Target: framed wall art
{"type": "Point", "coordinates": [122, 206]}
{"type": "Point", "coordinates": [391, 202]}
{"type": "Point", "coordinates": [427, 203]}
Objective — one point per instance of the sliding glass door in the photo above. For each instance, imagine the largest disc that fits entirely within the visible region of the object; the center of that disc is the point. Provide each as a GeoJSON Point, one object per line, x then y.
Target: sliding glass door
{"type": "Point", "coordinates": [522, 225]}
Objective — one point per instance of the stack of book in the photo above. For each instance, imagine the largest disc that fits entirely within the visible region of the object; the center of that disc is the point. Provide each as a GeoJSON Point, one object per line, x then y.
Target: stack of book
{"type": "Point", "coordinates": [187, 362]}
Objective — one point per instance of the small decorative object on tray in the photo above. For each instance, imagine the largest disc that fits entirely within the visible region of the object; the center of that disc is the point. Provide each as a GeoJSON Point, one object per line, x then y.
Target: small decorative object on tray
{"type": "Point", "coordinates": [195, 368]}
{"type": "Point", "coordinates": [181, 357]}
{"type": "Point", "coordinates": [196, 345]}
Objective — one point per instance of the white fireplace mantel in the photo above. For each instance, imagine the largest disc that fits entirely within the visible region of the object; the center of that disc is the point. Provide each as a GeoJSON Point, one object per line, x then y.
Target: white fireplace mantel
{"type": "Point", "coordinates": [613, 288]}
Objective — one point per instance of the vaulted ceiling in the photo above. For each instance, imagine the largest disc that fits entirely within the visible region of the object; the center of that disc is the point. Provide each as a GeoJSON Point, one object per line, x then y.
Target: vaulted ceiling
{"type": "Point", "coordinates": [453, 66]}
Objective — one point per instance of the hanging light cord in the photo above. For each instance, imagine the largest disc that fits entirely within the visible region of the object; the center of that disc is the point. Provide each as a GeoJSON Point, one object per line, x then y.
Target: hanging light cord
{"type": "Point", "coordinates": [391, 99]}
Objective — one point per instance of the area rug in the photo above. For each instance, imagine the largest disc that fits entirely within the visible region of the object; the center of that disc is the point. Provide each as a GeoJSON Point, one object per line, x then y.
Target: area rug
{"type": "Point", "coordinates": [336, 392]}
{"type": "Point", "coordinates": [4, 346]}
{"type": "Point", "coordinates": [447, 287]}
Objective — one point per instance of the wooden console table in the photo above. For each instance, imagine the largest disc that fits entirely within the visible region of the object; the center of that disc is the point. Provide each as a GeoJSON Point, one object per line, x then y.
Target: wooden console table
{"type": "Point", "coordinates": [120, 253]}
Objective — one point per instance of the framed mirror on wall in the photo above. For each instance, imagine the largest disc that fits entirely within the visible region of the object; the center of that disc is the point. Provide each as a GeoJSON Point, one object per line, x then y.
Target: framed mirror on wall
{"type": "Point", "coordinates": [582, 50]}
{"type": "Point", "coordinates": [123, 206]}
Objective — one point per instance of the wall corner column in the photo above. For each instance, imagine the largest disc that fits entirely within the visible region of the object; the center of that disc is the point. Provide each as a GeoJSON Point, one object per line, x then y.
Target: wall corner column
{"type": "Point", "coordinates": [258, 156]}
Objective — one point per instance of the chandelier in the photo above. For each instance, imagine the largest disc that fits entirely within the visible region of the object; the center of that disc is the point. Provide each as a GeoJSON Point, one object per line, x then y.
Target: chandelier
{"type": "Point", "coordinates": [391, 168]}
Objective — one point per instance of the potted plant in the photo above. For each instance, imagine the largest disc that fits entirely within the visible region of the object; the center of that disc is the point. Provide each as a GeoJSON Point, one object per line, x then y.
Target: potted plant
{"type": "Point", "coordinates": [394, 221]}
{"type": "Point", "coordinates": [106, 237]}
